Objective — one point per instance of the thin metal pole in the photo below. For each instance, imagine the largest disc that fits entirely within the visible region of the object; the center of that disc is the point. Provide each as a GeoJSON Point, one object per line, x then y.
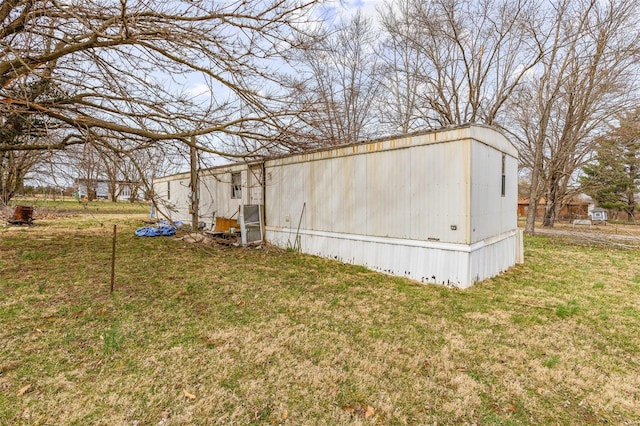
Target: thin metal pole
{"type": "Point", "coordinates": [296, 244]}
{"type": "Point", "coordinates": [113, 258]}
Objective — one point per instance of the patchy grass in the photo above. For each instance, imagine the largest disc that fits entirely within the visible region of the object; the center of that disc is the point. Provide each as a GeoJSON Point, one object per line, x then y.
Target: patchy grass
{"type": "Point", "coordinates": [212, 335]}
{"type": "Point", "coordinates": [47, 209]}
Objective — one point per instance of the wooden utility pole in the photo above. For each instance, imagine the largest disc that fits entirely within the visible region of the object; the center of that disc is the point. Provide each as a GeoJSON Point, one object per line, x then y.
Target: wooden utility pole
{"type": "Point", "coordinates": [195, 202]}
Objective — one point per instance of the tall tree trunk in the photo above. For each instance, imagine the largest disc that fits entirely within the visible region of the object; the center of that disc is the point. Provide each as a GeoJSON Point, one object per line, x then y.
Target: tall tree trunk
{"type": "Point", "coordinates": [630, 208]}
{"type": "Point", "coordinates": [535, 182]}
{"type": "Point", "coordinates": [552, 202]}
{"type": "Point", "coordinates": [530, 225]}
{"type": "Point", "coordinates": [113, 191]}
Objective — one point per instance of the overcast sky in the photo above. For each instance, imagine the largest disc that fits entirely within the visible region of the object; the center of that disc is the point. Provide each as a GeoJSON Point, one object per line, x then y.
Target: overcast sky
{"type": "Point", "coordinates": [367, 7]}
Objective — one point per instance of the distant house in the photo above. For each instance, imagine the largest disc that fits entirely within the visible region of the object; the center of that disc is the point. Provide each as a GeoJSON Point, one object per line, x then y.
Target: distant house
{"type": "Point", "coordinates": [437, 207]}
{"type": "Point", "coordinates": [101, 189]}
{"type": "Point", "coordinates": [599, 214]}
{"type": "Point", "coordinates": [577, 207]}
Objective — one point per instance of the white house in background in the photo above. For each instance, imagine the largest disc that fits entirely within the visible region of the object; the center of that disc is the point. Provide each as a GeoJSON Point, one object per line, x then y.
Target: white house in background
{"type": "Point", "coordinates": [598, 214]}
{"type": "Point", "coordinates": [123, 189]}
{"type": "Point", "coordinates": [437, 207]}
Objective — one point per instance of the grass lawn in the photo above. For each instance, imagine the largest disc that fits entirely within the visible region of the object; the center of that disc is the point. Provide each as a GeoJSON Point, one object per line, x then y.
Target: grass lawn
{"type": "Point", "coordinates": [44, 208]}
{"type": "Point", "coordinates": [203, 335]}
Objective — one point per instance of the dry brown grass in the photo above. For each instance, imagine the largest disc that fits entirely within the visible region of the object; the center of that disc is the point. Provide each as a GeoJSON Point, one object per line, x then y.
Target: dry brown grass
{"type": "Point", "coordinates": [210, 335]}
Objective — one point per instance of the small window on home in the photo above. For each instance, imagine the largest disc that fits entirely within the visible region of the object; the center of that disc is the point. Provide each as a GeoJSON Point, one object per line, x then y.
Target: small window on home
{"type": "Point", "coordinates": [168, 190]}
{"type": "Point", "coordinates": [236, 185]}
{"type": "Point", "coordinates": [504, 176]}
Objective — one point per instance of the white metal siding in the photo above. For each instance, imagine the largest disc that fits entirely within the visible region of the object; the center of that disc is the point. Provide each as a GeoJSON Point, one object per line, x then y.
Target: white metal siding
{"type": "Point", "coordinates": [427, 262]}
{"type": "Point", "coordinates": [492, 214]}
{"type": "Point", "coordinates": [225, 205]}
{"type": "Point", "coordinates": [416, 193]}
{"type": "Point", "coordinates": [178, 204]}
{"type": "Point", "coordinates": [440, 192]}
{"type": "Point", "coordinates": [214, 192]}
{"type": "Point", "coordinates": [254, 185]}
{"type": "Point", "coordinates": [278, 213]}
{"type": "Point", "coordinates": [208, 198]}
{"type": "Point", "coordinates": [493, 257]}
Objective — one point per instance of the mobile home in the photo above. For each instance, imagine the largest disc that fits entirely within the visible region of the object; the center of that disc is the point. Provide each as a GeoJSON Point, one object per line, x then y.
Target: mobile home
{"type": "Point", "coordinates": [437, 207]}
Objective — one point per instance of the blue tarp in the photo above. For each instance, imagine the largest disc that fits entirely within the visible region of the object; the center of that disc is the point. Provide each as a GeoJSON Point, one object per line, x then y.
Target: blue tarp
{"type": "Point", "coordinates": [151, 231]}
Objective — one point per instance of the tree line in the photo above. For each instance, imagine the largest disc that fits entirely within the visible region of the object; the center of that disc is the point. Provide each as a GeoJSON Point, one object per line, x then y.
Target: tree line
{"type": "Point", "coordinates": [559, 77]}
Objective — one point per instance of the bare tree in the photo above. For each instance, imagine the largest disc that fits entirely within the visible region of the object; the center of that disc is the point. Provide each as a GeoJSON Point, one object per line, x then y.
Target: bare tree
{"type": "Point", "coordinates": [19, 128]}
{"type": "Point", "coordinates": [14, 167]}
{"type": "Point", "coordinates": [111, 165]}
{"type": "Point", "coordinates": [122, 167]}
{"type": "Point", "coordinates": [399, 102]}
{"type": "Point", "coordinates": [139, 168]}
{"type": "Point", "coordinates": [586, 77]}
{"type": "Point", "coordinates": [467, 58]}
{"type": "Point", "coordinates": [121, 67]}
{"type": "Point", "coordinates": [90, 169]}
{"type": "Point", "coordinates": [341, 83]}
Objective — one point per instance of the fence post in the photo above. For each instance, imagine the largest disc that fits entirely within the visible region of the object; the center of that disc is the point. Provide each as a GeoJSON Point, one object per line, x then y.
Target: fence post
{"type": "Point", "coordinates": [113, 258]}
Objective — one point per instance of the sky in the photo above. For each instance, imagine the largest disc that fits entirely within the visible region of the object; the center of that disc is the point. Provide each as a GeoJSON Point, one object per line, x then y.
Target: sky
{"type": "Point", "coordinates": [195, 86]}
{"type": "Point", "coordinates": [350, 7]}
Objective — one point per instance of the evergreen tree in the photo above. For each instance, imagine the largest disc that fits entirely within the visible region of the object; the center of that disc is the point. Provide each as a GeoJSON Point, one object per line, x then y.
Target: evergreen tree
{"type": "Point", "coordinates": [613, 179]}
